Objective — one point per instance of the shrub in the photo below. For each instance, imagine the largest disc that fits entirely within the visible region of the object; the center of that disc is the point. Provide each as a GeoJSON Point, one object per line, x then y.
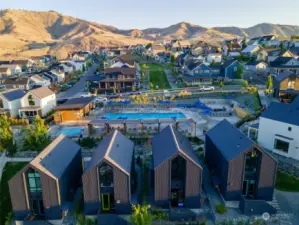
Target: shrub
{"type": "Point", "coordinates": [221, 209]}
{"type": "Point", "coordinates": [88, 142]}
{"type": "Point", "coordinates": [89, 221]}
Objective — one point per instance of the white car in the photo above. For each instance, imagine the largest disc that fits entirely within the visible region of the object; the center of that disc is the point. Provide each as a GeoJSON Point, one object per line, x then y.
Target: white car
{"type": "Point", "coordinates": [207, 88]}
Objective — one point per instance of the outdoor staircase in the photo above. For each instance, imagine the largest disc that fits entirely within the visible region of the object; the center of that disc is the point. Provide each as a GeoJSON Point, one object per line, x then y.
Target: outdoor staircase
{"type": "Point", "coordinates": [274, 203]}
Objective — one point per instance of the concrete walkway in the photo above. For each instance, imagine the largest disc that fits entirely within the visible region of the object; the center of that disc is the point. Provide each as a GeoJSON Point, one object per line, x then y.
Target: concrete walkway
{"type": "Point", "coordinates": [170, 78]}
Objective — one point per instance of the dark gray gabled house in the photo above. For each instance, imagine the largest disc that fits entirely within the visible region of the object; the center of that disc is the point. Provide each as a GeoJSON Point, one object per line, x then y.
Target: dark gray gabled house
{"type": "Point", "coordinates": [108, 176]}
{"type": "Point", "coordinates": [176, 170]}
{"type": "Point", "coordinates": [44, 185]}
{"type": "Point", "coordinates": [239, 166]}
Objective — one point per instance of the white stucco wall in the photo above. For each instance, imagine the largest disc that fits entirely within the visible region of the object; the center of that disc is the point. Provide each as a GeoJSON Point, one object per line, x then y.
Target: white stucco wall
{"type": "Point", "coordinates": [268, 129]}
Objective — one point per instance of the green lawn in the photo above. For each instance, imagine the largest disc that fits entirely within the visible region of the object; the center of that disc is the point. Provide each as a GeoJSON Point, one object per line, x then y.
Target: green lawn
{"type": "Point", "coordinates": [286, 182]}
{"type": "Point", "coordinates": [158, 76]}
{"type": "Point", "coordinates": [10, 169]}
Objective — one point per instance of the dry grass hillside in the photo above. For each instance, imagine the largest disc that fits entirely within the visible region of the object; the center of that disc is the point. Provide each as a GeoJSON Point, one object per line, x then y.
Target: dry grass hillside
{"type": "Point", "coordinates": [27, 33]}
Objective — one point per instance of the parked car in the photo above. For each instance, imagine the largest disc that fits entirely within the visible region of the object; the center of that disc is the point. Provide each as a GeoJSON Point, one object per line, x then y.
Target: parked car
{"type": "Point", "coordinates": [207, 88]}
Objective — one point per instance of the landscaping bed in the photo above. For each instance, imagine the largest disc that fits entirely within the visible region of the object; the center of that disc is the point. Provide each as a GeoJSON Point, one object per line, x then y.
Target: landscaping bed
{"type": "Point", "coordinates": [285, 182]}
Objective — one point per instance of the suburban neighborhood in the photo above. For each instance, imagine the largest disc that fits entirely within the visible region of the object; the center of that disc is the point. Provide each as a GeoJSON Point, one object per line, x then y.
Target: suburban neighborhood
{"type": "Point", "coordinates": [165, 132]}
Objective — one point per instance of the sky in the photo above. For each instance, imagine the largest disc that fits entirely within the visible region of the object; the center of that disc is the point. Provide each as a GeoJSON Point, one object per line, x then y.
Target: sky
{"type": "Point", "coordinates": [142, 14]}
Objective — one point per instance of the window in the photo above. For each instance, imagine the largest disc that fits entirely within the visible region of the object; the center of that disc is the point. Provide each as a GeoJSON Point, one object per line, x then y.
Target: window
{"type": "Point", "coordinates": [206, 71]}
{"type": "Point", "coordinates": [289, 128]}
{"type": "Point", "coordinates": [106, 175]}
{"type": "Point", "coordinates": [1, 103]}
{"type": "Point", "coordinates": [235, 69]}
{"type": "Point", "coordinates": [201, 71]}
{"type": "Point", "coordinates": [33, 178]}
{"type": "Point", "coordinates": [31, 100]}
{"type": "Point", "coordinates": [281, 145]}
{"type": "Point", "coordinates": [291, 82]}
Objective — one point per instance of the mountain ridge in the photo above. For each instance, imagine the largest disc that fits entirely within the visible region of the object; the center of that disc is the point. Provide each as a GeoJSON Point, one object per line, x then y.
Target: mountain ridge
{"type": "Point", "coordinates": [25, 33]}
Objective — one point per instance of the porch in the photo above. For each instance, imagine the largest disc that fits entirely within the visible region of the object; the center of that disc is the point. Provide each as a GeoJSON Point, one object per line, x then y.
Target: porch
{"type": "Point", "coordinates": [30, 111]}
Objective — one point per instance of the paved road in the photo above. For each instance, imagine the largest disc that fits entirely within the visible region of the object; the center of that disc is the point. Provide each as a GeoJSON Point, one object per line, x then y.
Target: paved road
{"type": "Point", "coordinates": [79, 86]}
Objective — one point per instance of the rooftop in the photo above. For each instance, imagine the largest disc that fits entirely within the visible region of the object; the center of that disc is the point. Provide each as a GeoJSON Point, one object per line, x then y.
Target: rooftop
{"type": "Point", "coordinates": [42, 92]}
{"type": "Point", "coordinates": [285, 113]}
{"type": "Point", "coordinates": [116, 149]}
{"type": "Point", "coordinates": [55, 158]}
{"type": "Point", "coordinates": [168, 142]}
{"type": "Point", "coordinates": [13, 95]}
{"type": "Point", "coordinates": [229, 140]}
{"type": "Point", "coordinates": [75, 103]}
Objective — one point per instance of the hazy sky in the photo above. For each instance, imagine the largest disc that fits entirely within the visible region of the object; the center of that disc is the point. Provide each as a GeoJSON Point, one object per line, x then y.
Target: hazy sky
{"type": "Point", "coordinates": [162, 13]}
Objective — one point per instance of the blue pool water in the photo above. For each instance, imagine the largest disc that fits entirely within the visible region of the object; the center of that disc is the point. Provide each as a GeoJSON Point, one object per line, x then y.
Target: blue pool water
{"type": "Point", "coordinates": [112, 116]}
{"type": "Point", "coordinates": [70, 131]}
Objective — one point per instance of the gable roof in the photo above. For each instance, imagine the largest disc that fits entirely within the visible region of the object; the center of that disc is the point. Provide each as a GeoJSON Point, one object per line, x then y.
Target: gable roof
{"type": "Point", "coordinates": [13, 95]}
{"type": "Point", "coordinates": [76, 103]}
{"type": "Point", "coordinates": [4, 69]}
{"type": "Point", "coordinates": [250, 48]}
{"type": "Point", "coordinates": [285, 113]}
{"type": "Point", "coordinates": [281, 61]}
{"type": "Point", "coordinates": [255, 63]}
{"type": "Point", "coordinates": [169, 142]}
{"type": "Point", "coordinates": [227, 63]}
{"type": "Point", "coordinates": [16, 80]}
{"type": "Point", "coordinates": [193, 65]}
{"type": "Point", "coordinates": [283, 75]}
{"type": "Point", "coordinates": [42, 92]}
{"type": "Point", "coordinates": [116, 149]}
{"type": "Point", "coordinates": [55, 158]}
{"type": "Point", "coordinates": [229, 140]}
{"type": "Point", "coordinates": [125, 71]}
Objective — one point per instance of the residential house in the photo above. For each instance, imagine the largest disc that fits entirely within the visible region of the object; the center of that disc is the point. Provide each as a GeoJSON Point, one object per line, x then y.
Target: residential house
{"type": "Point", "coordinates": [14, 68]}
{"type": "Point", "coordinates": [163, 57]}
{"type": "Point", "coordinates": [42, 189]}
{"type": "Point", "coordinates": [25, 64]}
{"type": "Point", "coordinates": [59, 74]}
{"type": "Point", "coordinates": [121, 79]}
{"type": "Point", "coordinates": [295, 51]}
{"type": "Point", "coordinates": [4, 72]}
{"type": "Point", "coordinates": [267, 40]}
{"type": "Point", "coordinates": [255, 51]}
{"type": "Point", "coordinates": [40, 80]}
{"type": "Point", "coordinates": [10, 102]}
{"type": "Point", "coordinates": [229, 69]}
{"type": "Point", "coordinates": [176, 173]}
{"type": "Point", "coordinates": [78, 57]}
{"type": "Point", "coordinates": [286, 84]}
{"type": "Point", "coordinates": [198, 73]}
{"type": "Point", "coordinates": [38, 101]}
{"type": "Point", "coordinates": [73, 109]}
{"type": "Point", "coordinates": [274, 54]}
{"type": "Point", "coordinates": [283, 64]}
{"type": "Point", "coordinates": [236, 46]}
{"type": "Point", "coordinates": [214, 58]}
{"type": "Point", "coordinates": [240, 168]}
{"type": "Point", "coordinates": [283, 137]}
{"type": "Point", "coordinates": [23, 83]}
{"type": "Point", "coordinates": [67, 67]}
{"type": "Point", "coordinates": [256, 66]}
{"type": "Point", "coordinates": [233, 55]}
{"type": "Point", "coordinates": [78, 64]}
{"type": "Point", "coordinates": [108, 178]}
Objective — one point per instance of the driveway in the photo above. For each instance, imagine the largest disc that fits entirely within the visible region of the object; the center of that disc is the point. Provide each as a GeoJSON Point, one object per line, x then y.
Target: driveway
{"type": "Point", "coordinates": [289, 204]}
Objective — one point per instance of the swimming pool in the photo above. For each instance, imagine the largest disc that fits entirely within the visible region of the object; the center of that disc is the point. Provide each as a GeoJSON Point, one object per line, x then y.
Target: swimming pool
{"type": "Point", "coordinates": [111, 116]}
{"type": "Point", "coordinates": [70, 131]}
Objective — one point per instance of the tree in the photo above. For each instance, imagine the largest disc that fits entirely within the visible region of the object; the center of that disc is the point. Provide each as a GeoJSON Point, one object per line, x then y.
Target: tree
{"type": "Point", "coordinates": [221, 84]}
{"type": "Point", "coordinates": [269, 82]}
{"type": "Point", "coordinates": [133, 88]}
{"type": "Point", "coordinates": [244, 42]}
{"type": "Point", "coordinates": [149, 45]}
{"type": "Point", "coordinates": [172, 59]}
{"type": "Point", "coordinates": [114, 90]}
{"type": "Point", "coordinates": [6, 134]}
{"type": "Point", "coordinates": [230, 46]}
{"type": "Point", "coordinates": [83, 68]}
{"type": "Point", "coordinates": [36, 136]}
{"type": "Point", "coordinates": [151, 86]}
{"type": "Point", "coordinates": [245, 84]}
{"type": "Point", "coordinates": [141, 215]}
{"type": "Point", "coordinates": [239, 73]}
{"type": "Point", "coordinates": [11, 149]}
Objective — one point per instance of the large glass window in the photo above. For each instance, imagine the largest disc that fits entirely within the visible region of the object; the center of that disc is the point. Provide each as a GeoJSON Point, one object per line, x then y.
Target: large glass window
{"type": "Point", "coordinates": [281, 145]}
{"type": "Point", "coordinates": [292, 82]}
{"type": "Point", "coordinates": [106, 175]}
{"type": "Point", "coordinates": [34, 184]}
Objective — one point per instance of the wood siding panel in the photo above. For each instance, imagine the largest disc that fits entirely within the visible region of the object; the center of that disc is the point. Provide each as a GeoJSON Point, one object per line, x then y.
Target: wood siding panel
{"type": "Point", "coordinates": [121, 186]}
{"type": "Point", "coordinates": [17, 191]}
{"type": "Point", "coordinates": [235, 174]}
{"type": "Point", "coordinates": [50, 192]}
{"type": "Point", "coordinates": [90, 186]}
{"type": "Point", "coordinates": [193, 179]}
{"type": "Point", "coordinates": [267, 172]}
{"type": "Point", "coordinates": [162, 180]}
